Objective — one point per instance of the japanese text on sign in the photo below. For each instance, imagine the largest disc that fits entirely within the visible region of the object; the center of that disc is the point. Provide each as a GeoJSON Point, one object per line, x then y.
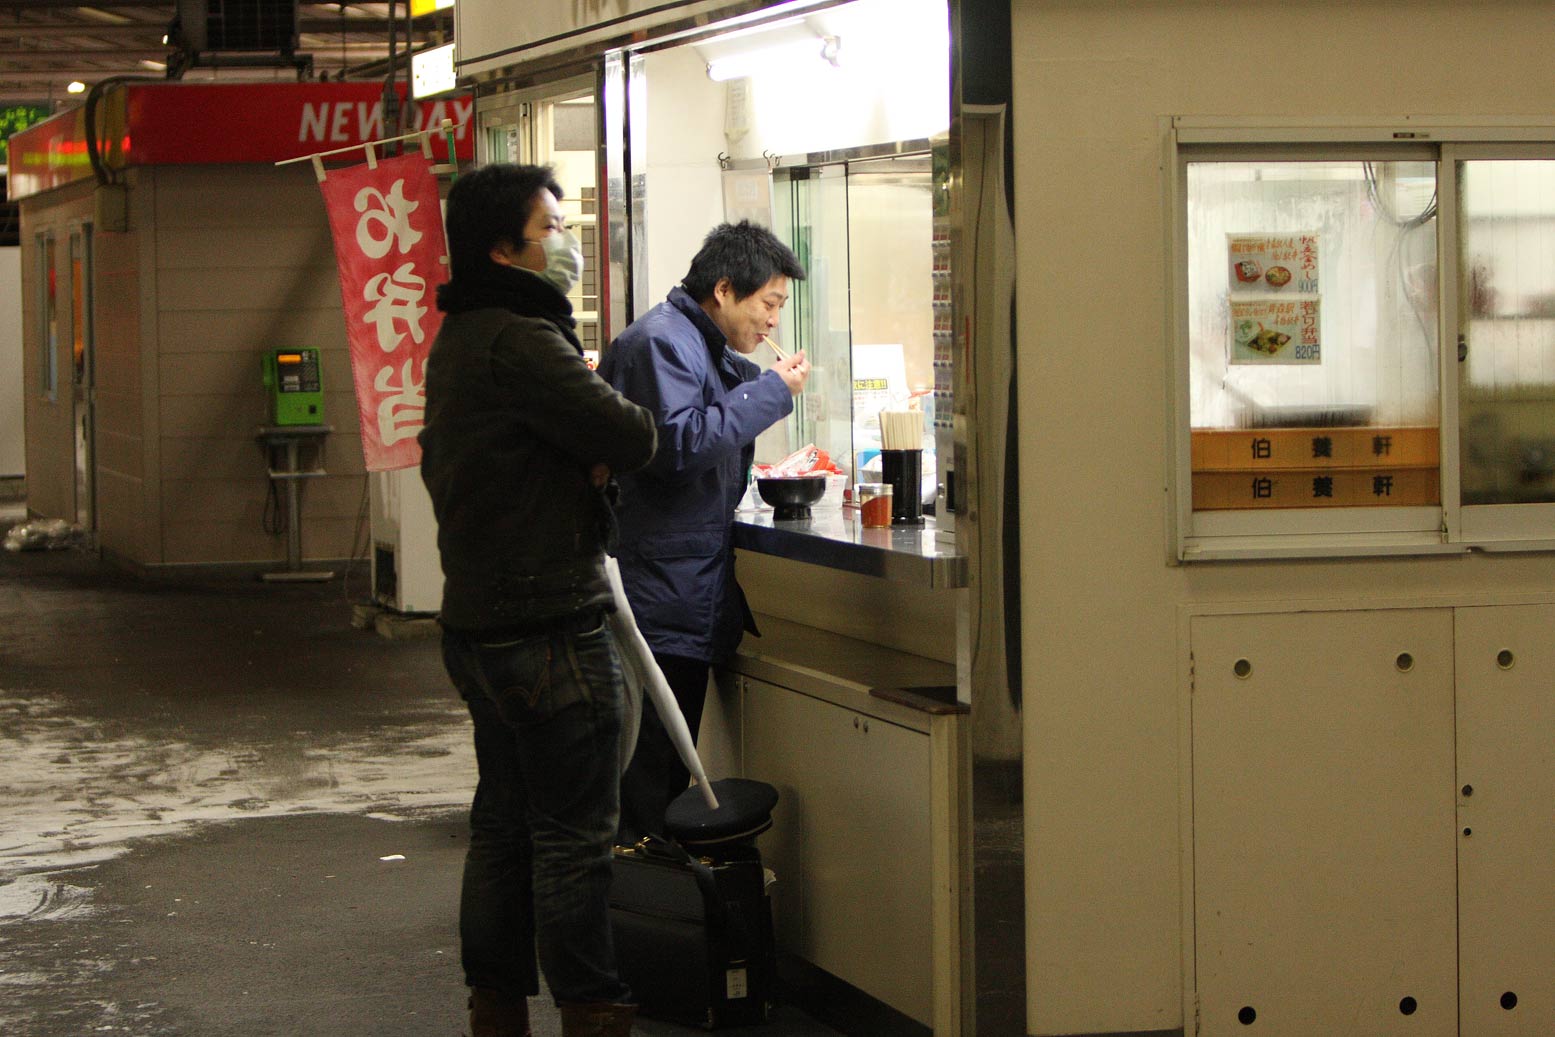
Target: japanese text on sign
{"type": "Point", "coordinates": [1285, 264]}
{"type": "Point", "coordinates": [1275, 331]}
{"type": "Point", "coordinates": [389, 248]}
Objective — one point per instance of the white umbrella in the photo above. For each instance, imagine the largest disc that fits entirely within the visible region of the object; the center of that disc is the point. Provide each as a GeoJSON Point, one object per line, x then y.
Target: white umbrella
{"type": "Point", "coordinates": [641, 668]}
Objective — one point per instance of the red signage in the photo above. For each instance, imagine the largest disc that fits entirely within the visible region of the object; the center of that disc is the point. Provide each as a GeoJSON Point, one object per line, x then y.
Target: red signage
{"type": "Point", "coordinates": [149, 124]}
{"type": "Point", "coordinates": [389, 247]}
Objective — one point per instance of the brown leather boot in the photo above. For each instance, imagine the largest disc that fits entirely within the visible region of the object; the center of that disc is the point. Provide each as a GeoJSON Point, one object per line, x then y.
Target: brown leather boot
{"type": "Point", "coordinates": [495, 1014]}
{"type": "Point", "coordinates": [596, 1019]}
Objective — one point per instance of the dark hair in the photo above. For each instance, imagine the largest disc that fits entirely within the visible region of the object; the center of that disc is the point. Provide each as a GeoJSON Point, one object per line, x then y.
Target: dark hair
{"type": "Point", "coordinates": [488, 206]}
{"type": "Point", "coordinates": [748, 255]}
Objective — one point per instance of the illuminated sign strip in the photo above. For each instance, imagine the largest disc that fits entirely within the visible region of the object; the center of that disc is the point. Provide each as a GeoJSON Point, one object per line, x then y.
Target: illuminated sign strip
{"type": "Point", "coordinates": [174, 124]}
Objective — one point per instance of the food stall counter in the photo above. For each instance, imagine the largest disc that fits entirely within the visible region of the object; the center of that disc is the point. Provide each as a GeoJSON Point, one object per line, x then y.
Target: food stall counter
{"type": "Point", "coordinates": [836, 539]}
{"type": "Point", "coordinates": [868, 749]}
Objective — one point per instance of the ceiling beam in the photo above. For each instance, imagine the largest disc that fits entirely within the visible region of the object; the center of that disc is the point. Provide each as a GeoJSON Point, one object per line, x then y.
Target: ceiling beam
{"type": "Point", "coordinates": [11, 76]}
{"type": "Point", "coordinates": [43, 5]}
{"type": "Point", "coordinates": [321, 7]}
{"type": "Point", "coordinates": [305, 26]}
{"type": "Point", "coordinates": [52, 58]}
{"type": "Point", "coordinates": [44, 44]}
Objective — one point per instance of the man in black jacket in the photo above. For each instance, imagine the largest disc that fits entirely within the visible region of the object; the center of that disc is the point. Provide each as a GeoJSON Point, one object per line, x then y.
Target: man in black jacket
{"type": "Point", "coordinates": [520, 441]}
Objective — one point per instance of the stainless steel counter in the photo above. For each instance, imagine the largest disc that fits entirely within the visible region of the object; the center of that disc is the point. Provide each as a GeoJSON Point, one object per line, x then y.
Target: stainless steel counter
{"type": "Point", "coordinates": [836, 540]}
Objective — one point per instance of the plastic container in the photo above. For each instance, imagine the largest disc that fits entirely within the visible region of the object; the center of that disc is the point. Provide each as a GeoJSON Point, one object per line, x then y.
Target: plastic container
{"type": "Point", "coordinates": [874, 504]}
{"type": "Point", "coordinates": [832, 499]}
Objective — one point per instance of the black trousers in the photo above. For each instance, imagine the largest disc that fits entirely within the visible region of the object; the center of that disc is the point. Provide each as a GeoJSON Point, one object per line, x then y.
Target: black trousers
{"type": "Point", "coordinates": [656, 775]}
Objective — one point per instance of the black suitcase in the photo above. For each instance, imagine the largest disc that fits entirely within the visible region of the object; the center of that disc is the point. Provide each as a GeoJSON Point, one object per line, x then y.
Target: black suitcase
{"type": "Point", "coordinates": [693, 930]}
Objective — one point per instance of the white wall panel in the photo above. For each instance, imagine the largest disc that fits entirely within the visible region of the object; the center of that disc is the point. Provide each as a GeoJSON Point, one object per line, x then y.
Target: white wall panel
{"type": "Point", "coordinates": [1506, 817]}
{"type": "Point", "coordinates": [849, 841]}
{"type": "Point", "coordinates": [1323, 827]}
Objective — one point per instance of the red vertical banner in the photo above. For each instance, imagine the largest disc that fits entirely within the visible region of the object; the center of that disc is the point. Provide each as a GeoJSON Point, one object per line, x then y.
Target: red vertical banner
{"type": "Point", "coordinates": [389, 247]}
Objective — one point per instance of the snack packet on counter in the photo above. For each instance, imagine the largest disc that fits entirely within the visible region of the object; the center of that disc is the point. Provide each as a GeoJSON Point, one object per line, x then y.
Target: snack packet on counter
{"type": "Point", "coordinates": [807, 460]}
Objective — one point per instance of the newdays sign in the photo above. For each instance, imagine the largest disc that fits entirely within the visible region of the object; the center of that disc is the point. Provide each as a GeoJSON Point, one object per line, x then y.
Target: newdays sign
{"type": "Point", "coordinates": [216, 123]}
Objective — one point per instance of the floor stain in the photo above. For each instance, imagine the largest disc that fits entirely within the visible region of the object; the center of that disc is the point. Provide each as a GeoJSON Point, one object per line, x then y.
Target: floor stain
{"type": "Point", "coordinates": [74, 799]}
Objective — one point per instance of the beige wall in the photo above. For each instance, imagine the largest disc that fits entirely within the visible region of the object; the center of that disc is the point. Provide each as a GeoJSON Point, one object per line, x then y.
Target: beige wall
{"type": "Point", "coordinates": [1104, 673]}
{"type": "Point", "coordinates": [219, 264]}
{"type": "Point", "coordinates": [243, 263]}
{"type": "Point", "coordinates": [126, 497]}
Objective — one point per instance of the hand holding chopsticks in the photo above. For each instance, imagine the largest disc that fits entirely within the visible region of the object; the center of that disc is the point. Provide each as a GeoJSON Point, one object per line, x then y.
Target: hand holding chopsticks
{"type": "Point", "coordinates": [793, 369]}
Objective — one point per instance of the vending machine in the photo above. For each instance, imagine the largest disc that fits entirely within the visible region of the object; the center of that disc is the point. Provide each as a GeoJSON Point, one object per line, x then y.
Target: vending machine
{"type": "Point", "coordinates": [407, 575]}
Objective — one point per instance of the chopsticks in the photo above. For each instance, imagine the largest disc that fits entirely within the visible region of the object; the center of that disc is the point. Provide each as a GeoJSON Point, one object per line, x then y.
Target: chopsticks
{"type": "Point", "coordinates": [774, 347]}
{"type": "Point", "coordinates": [901, 430]}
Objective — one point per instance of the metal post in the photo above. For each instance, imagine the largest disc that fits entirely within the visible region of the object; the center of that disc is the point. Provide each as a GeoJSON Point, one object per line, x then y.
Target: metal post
{"type": "Point", "coordinates": [293, 511]}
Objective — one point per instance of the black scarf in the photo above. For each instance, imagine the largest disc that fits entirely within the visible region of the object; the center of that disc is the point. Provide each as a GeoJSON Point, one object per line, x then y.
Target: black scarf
{"type": "Point", "coordinates": [510, 288]}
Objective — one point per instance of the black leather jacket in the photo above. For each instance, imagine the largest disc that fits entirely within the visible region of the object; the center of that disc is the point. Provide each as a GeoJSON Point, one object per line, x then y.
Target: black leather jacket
{"type": "Point", "coordinates": [514, 421]}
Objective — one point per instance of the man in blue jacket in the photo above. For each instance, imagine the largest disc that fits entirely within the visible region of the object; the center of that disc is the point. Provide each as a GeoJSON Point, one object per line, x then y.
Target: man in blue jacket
{"type": "Point", "coordinates": [683, 361]}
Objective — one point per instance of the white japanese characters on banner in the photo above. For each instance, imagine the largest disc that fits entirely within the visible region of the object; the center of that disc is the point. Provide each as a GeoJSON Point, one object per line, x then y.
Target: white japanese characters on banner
{"type": "Point", "coordinates": [389, 247]}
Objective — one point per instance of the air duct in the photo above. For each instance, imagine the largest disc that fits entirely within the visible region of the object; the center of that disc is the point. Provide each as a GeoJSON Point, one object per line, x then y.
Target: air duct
{"type": "Point", "coordinates": [208, 26]}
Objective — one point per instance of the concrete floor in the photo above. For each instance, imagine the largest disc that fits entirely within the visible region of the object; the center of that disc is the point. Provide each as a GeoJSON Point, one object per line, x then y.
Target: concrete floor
{"type": "Point", "coordinates": [226, 813]}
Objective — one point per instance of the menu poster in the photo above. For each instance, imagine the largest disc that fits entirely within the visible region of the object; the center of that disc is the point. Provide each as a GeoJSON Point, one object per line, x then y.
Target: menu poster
{"type": "Point", "coordinates": [1275, 331]}
{"type": "Point", "coordinates": [1282, 263]}
{"type": "Point", "coordinates": [879, 383]}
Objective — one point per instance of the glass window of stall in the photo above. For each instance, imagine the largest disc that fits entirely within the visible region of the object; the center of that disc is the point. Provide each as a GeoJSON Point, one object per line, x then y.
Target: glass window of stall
{"type": "Point", "coordinates": [825, 137]}
{"type": "Point", "coordinates": [1365, 344]}
{"type": "Point", "coordinates": [866, 315]}
{"type": "Point", "coordinates": [1309, 323]}
{"type": "Point", "coordinates": [48, 318]}
{"type": "Point", "coordinates": [1505, 322]}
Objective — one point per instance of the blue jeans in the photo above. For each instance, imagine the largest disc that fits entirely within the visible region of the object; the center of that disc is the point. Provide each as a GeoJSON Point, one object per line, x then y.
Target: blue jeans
{"type": "Point", "coordinates": [547, 711]}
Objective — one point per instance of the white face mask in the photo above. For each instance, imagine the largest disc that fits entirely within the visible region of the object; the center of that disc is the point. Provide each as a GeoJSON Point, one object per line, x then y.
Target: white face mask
{"type": "Point", "coordinates": [563, 260]}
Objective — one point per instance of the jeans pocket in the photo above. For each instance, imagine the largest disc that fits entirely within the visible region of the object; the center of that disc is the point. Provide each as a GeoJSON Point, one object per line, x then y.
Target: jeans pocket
{"type": "Point", "coordinates": [516, 676]}
{"type": "Point", "coordinates": [593, 668]}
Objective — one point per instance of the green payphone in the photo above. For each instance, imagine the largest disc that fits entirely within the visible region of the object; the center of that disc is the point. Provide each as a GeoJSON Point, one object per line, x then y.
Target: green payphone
{"type": "Point", "coordinates": [296, 387]}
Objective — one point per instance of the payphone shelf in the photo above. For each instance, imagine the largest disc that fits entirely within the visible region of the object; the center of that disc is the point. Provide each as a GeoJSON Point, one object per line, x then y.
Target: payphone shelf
{"type": "Point", "coordinates": [289, 439]}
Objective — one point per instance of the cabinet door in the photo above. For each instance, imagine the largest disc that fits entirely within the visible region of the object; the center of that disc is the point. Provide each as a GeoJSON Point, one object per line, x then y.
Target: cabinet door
{"type": "Point", "coordinates": [1323, 824]}
{"type": "Point", "coordinates": [1506, 819]}
{"type": "Point", "coordinates": [849, 841]}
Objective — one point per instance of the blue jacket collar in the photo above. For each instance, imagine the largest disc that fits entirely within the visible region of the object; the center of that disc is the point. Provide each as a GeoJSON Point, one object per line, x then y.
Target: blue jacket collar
{"type": "Point", "coordinates": [711, 333]}
{"type": "Point", "coordinates": [738, 368]}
